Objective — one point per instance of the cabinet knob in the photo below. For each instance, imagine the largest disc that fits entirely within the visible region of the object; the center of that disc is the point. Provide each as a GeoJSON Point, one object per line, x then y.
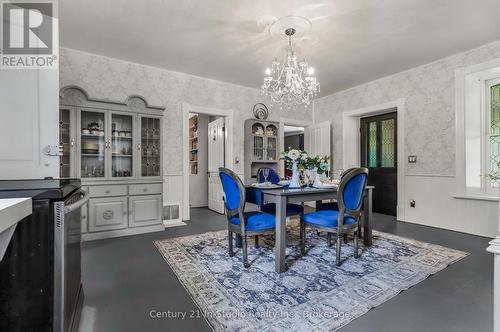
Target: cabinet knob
{"type": "Point", "coordinates": [107, 192]}
{"type": "Point", "coordinates": [144, 190]}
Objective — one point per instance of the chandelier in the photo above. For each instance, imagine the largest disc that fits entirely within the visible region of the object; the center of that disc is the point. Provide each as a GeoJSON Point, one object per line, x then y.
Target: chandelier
{"type": "Point", "coordinates": [292, 82]}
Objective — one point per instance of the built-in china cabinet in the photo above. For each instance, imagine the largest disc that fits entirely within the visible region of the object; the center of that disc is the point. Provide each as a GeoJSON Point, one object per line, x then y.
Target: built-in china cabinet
{"type": "Point", "coordinates": [261, 146]}
{"type": "Point", "coordinates": [116, 150]}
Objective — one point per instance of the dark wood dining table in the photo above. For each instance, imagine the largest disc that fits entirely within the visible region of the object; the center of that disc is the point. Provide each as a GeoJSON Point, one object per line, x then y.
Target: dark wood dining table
{"type": "Point", "coordinates": [283, 196]}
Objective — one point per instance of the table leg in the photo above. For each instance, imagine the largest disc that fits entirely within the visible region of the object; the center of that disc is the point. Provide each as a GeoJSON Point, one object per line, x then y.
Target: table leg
{"type": "Point", "coordinates": [280, 241]}
{"type": "Point", "coordinates": [367, 217]}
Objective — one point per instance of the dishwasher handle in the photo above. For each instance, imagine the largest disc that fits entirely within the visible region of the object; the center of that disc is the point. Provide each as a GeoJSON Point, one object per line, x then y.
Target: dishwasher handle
{"type": "Point", "coordinates": [84, 198]}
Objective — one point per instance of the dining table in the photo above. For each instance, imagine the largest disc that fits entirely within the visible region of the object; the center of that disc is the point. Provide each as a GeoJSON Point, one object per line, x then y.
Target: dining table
{"type": "Point", "coordinates": [284, 195]}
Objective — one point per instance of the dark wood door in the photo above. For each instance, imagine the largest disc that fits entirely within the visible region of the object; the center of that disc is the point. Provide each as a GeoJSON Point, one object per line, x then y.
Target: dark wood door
{"type": "Point", "coordinates": [379, 155]}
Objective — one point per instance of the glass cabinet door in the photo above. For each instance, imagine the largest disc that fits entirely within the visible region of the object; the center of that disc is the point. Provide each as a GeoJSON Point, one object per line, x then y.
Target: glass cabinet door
{"type": "Point", "coordinates": [93, 144]}
{"type": "Point", "coordinates": [271, 148]}
{"type": "Point", "coordinates": [150, 132]}
{"type": "Point", "coordinates": [67, 143]}
{"type": "Point", "coordinates": [258, 148]}
{"type": "Point", "coordinates": [121, 145]}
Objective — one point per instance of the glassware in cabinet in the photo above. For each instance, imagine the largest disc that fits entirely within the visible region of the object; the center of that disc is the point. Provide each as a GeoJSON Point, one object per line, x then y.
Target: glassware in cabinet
{"type": "Point", "coordinates": [122, 145]}
{"type": "Point", "coordinates": [150, 146]}
{"type": "Point", "coordinates": [93, 144]}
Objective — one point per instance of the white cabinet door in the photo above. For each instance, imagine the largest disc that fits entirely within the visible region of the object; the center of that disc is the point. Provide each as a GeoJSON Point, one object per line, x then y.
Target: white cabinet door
{"type": "Point", "coordinates": [216, 145]}
{"type": "Point", "coordinates": [145, 210]}
{"type": "Point", "coordinates": [29, 134]}
{"type": "Point", "coordinates": [107, 213]}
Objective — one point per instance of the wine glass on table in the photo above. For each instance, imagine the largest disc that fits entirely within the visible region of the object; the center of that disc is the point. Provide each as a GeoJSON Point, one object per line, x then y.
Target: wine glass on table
{"type": "Point", "coordinates": [265, 172]}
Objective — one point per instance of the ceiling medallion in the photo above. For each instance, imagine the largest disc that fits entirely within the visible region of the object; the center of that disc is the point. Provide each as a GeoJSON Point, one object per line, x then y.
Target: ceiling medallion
{"type": "Point", "coordinates": [290, 83]}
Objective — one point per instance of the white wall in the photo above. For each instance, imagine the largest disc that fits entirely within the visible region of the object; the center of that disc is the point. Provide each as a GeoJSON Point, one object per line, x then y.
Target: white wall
{"type": "Point", "coordinates": [108, 78]}
{"type": "Point", "coordinates": [429, 94]}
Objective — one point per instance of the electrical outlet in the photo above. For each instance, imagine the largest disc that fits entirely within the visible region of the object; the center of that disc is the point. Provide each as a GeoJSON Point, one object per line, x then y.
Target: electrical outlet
{"type": "Point", "coordinates": [412, 203]}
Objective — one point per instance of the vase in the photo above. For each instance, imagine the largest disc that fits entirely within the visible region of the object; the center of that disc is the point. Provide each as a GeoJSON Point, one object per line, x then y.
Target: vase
{"type": "Point", "coordinates": [295, 182]}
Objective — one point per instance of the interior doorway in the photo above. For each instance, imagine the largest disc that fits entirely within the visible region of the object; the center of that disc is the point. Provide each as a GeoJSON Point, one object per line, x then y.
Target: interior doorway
{"type": "Point", "coordinates": [225, 159]}
{"type": "Point", "coordinates": [206, 155]}
{"type": "Point", "coordinates": [379, 154]}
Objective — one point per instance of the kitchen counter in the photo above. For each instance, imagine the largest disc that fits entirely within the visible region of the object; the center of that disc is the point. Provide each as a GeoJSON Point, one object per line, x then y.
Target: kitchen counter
{"type": "Point", "coordinates": [12, 210]}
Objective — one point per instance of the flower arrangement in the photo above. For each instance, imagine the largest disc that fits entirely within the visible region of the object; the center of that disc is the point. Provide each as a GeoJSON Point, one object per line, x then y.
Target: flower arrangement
{"type": "Point", "coordinates": [304, 161]}
{"type": "Point", "coordinates": [321, 164]}
{"type": "Point", "coordinates": [293, 155]}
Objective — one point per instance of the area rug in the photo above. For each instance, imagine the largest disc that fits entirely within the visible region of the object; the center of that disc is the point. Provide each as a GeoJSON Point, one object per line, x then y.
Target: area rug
{"type": "Point", "coordinates": [313, 294]}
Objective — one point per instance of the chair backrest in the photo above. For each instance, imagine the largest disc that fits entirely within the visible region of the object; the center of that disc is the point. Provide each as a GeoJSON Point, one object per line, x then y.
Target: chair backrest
{"type": "Point", "coordinates": [273, 177]}
{"type": "Point", "coordinates": [345, 172]}
{"type": "Point", "coordinates": [351, 190]}
{"type": "Point", "coordinates": [234, 192]}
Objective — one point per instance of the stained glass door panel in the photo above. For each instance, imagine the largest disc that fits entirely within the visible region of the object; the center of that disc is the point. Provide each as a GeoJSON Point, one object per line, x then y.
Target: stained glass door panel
{"type": "Point", "coordinates": [379, 155]}
{"type": "Point", "coordinates": [150, 130]}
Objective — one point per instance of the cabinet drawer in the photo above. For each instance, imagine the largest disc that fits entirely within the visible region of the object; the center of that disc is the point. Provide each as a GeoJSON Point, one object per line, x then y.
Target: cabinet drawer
{"type": "Point", "coordinates": [145, 210]}
{"type": "Point", "coordinates": [111, 190]}
{"type": "Point", "coordinates": [145, 189]}
{"type": "Point", "coordinates": [107, 213]}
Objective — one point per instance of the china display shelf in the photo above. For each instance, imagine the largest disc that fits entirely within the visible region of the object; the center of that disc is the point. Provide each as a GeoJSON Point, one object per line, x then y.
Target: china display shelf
{"type": "Point", "coordinates": [92, 135]}
{"type": "Point", "coordinates": [123, 155]}
{"type": "Point", "coordinates": [122, 137]}
{"type": "Point", "coordinates": [92, 155]}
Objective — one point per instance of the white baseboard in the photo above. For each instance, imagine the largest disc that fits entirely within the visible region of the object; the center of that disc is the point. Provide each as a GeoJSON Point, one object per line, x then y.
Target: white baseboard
{"type": "Point", "coordinates": [173, 223]}
{"type": "Point", "coordinates": [122, 232]}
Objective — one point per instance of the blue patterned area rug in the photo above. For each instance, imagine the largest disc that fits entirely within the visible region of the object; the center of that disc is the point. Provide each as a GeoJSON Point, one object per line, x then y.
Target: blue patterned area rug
{"type": "Point", "coordinates": [313, 294]}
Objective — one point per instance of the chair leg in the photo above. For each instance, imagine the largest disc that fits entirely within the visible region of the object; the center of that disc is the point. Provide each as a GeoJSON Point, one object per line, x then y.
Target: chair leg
{"type": "Point", "coordinates": [329, 239]}
{"type": "Point", "coordinates": [302, 238]}
{"type": "Point", "coordinates": [230, 246]}
{"type": "Point", "coordinates": [245, 254]}
{"type": "Point", "coordinates": [256, 241]}
{"type": "Point", "coordinates": [356, 240]}
{"type": "Point", "coordinates": [338, 248]}
{"type": "Point", "coordinates": [345, 238]}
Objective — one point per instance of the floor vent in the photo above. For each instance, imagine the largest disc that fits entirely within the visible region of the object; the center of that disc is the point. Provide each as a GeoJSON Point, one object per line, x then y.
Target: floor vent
{"type": "Point", "coordinates": [170, 212]}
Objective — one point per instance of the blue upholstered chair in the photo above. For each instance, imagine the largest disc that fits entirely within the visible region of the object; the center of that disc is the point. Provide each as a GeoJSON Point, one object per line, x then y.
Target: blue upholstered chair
{"type": "Point", "coordinates": [273, 177]}
{"type": "Point", "coordinates": [333, 205]}
{"type": "Point", "coordinates": [343, 220]}
{"type": "Point", "coordinates": [239, 221]}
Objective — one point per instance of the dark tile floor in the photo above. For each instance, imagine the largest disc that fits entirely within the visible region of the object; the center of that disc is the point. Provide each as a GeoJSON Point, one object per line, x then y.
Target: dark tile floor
{"type": "Point", "coordinates": [126, 278]}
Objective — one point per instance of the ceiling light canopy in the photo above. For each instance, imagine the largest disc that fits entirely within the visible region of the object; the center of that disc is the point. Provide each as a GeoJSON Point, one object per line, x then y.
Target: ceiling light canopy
{"type": "Point", "coordinates": [292, 82]}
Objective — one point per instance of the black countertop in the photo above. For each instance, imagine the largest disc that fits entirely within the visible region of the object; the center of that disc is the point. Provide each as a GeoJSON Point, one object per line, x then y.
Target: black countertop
{"type": "Point", "coordinates": [39, 188]}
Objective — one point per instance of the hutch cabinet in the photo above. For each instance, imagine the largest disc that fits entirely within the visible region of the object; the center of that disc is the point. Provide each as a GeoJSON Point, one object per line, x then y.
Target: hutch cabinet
{"type": "Point", "coordinates": [261, 146]}
{"type": "Point", "coordinates": [116, 150]}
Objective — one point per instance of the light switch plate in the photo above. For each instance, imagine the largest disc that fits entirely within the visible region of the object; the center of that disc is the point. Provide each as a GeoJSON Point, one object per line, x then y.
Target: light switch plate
{"type": "Point", "coordinates": [412, 159]}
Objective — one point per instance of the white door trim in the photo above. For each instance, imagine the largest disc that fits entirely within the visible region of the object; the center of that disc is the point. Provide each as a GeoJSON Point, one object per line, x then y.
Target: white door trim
{"type": "Point", "coordinates": [290, 122]}
{"type": "Point", "coordinates": [186, 109]}
{"type": "Point", "coordinates": [351, 142]}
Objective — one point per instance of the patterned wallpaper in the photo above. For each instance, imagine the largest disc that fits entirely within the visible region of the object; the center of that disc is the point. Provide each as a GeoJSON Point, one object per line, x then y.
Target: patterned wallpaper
{"type": "Point", "coordinates": [107, 78]}
{"type": "Point", "coordinates": [429, 93]}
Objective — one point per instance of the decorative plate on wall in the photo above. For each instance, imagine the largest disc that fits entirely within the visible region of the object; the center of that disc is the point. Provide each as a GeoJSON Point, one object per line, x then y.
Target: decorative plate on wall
{"type": "Point", "coordinates": [260, 111]}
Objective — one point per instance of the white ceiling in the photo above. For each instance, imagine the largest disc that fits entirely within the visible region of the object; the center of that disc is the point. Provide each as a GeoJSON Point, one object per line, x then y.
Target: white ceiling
{"type": "Point", "coordinates": [352, 41]}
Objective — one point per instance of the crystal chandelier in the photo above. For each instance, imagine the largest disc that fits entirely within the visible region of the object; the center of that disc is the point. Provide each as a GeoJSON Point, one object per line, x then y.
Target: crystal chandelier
{"type": "Point", "coordinates": [290, 83]}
